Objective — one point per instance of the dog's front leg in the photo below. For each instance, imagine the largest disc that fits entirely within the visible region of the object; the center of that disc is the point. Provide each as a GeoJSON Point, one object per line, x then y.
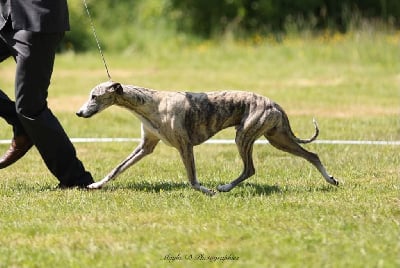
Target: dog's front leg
{"type": "Point", "coordinates": [186, 152]}
{"type": "Point", "coordinates": [145, 147]}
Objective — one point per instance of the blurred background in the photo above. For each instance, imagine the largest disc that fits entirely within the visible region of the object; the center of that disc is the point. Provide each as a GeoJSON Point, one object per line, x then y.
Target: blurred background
{"type": "Point", "coordinates": [142, 25]}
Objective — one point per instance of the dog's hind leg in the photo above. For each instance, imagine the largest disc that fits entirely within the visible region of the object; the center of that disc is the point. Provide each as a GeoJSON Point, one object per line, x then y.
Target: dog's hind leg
{"type": "Point", "coordinates": [281, 140]}
{"type": "Point", "coordinates": [244, 142]}
{"type": "Point", "coordinates": [186, 152]}
{"type": "Point", "coordinates": [146, 147]}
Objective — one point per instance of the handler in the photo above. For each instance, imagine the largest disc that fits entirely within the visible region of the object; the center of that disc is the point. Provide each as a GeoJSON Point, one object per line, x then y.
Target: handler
{"type": "Point", "coordinates": [30, 32]}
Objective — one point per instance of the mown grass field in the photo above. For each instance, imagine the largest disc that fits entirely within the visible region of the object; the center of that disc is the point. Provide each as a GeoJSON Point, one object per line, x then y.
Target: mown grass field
{"type": "Point", "coordinates": [284, 216]}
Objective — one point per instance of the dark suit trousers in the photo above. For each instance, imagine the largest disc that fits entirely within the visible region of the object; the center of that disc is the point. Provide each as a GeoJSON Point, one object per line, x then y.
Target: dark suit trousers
{"type": "Point", "coordinates": [34, 55]}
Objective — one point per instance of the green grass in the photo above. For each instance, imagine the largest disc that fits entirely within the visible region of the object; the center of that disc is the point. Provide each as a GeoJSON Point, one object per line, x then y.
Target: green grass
{"type": "Point", "coordinates": [284, 216]}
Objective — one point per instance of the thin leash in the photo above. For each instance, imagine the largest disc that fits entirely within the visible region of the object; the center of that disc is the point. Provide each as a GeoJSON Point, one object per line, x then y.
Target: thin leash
{"type": "Point", "coordinates": [97, 39]}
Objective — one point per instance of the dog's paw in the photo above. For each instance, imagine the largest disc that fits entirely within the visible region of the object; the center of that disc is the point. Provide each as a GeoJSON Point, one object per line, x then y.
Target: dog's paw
{"type": "Point", "coordinates": [207, 191]}
{"type": "Point", "coordinates": [94, 186]}
{"type": "Point", "coordinates": [333, 181]}
{"type": "Point", "coordinates": [224, 188]}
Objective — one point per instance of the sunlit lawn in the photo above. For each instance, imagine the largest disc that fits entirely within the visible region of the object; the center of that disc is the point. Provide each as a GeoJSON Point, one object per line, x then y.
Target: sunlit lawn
{"type": "Point", "coordinates": [286, 215]}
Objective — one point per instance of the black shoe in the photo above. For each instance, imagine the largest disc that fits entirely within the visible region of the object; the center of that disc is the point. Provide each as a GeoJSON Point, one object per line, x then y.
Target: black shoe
{"type": "Point", "coordinates": [84, 180]}
{"type": "Point", "coordinates": [76, 185]}
{"type": "Point", "coordinates": [62, 186]}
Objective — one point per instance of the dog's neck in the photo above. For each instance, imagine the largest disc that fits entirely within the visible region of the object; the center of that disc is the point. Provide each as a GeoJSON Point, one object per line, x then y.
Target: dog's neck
{"type": "Point", "coordinates": [134, 96]}
{"type": "Point", "coordinates": [137, 99]}
{"type": "Point", "coordinates": [141, 101]}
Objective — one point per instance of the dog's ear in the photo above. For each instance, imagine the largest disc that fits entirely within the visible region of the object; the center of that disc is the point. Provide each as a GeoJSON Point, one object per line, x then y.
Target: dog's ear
{"type": "Point", "coordinates": [115, 87]}
{"type": "Point", "coordinates": [118, 88]}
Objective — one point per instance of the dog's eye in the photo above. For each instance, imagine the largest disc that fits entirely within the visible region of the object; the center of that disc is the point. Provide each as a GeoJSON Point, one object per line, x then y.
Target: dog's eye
{"type": "Point", "coordinates": [94, 97]}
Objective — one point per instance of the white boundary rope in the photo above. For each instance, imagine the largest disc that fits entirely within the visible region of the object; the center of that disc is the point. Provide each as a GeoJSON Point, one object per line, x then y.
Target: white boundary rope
{"type": "Point", "coordinates": [222, 141]}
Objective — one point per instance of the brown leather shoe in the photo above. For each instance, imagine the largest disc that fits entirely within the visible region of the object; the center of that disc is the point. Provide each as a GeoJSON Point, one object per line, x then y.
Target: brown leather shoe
{"type": "Point", "coordinates": [19, 146]}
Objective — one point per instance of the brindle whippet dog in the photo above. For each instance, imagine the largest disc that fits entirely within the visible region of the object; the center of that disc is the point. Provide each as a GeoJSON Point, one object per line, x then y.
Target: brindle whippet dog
{"type": "Point", "coordinates": [184, 119]}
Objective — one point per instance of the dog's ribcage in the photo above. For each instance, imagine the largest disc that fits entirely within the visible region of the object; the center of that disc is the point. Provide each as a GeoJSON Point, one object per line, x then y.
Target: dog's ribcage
{"type": "Point", "coordinates": [200, 115]}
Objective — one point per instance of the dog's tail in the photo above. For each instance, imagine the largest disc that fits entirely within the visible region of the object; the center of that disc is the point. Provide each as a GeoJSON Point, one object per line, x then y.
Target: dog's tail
{"type": "Point", "coordinates": [298, 140]}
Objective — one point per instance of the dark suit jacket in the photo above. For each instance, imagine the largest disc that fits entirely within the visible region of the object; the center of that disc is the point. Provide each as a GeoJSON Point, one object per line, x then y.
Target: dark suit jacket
{"type": "Point", "coordinates": [47, 16]}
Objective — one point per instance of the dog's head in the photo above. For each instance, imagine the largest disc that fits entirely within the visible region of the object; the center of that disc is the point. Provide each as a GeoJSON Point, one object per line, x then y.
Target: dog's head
{"type": "Point", "coordinates": [101, 97]}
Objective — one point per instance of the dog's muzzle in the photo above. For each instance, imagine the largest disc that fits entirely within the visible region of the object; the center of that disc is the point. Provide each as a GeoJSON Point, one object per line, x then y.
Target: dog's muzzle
{"type": "Point", "coordinates": [84, 115]}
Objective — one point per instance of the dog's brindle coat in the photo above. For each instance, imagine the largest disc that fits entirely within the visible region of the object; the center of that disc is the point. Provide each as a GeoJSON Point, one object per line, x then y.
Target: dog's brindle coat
{"type": "Point", "coordinates": [184, 119]}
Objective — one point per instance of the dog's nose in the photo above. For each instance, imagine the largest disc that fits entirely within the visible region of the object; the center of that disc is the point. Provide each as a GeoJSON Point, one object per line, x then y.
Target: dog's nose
{"type": "Point", "coordinates": [79, 113]}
